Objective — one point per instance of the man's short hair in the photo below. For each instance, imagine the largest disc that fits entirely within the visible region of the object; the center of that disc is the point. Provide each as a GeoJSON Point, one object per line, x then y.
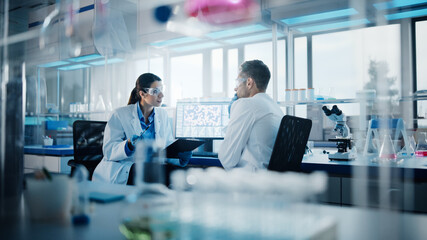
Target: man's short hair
{"type": "Point", "coordinates": [258, 71]}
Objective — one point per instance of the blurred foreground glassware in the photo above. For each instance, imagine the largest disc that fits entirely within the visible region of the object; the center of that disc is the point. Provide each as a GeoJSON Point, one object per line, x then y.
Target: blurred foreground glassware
{"type": "Point", "coordinates": [223, 12]}
{"type": "Point", "coordinates": [149, 167]}
{"type": "Point", "coordinates": [151, 212]}
{"type": "Point", "coordinates": [80, 208]}
{"type": "Point", "coordinates": [421, 149]}
{"type": "Point", "coordinates": [150, 218]}
{"type": "Point", "coordinates": [49, 199]}
{"type": "Point", "coordinates": [239, 204]}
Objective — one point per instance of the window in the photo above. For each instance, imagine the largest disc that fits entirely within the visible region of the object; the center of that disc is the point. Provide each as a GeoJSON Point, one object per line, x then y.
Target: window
{"type": "Point", "coordinates": [217, 70]}
{"type": "Point", "coordinates": [186, 77]}
{"type": "Point", "coordinates": [155, 66]}
{"type": "Point", "coordinates": [261, 51]}
{"type": "Point", "coordinates": [233, 70]}
{"type": "Point", "coordinates": [300, 62]}
{"type": "Point", "coordinates": [421, 54]}
{"type": "Point", "coordinates": [281, 73]}
{"type": "Point", "coordinates": [343, 61]}
{"type": "Point", "coordinates": [300, 72]}
{"type": "Point", "coordinates": [264, 52]}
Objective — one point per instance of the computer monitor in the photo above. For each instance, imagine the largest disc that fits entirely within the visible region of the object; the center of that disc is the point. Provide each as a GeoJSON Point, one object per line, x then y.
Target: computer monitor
{"type": "Point", "coordinates": [201, 119]}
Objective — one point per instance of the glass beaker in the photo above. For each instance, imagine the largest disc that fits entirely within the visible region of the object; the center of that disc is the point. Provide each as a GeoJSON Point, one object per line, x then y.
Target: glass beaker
{"type": "Point", "coordinates": [421, 149]}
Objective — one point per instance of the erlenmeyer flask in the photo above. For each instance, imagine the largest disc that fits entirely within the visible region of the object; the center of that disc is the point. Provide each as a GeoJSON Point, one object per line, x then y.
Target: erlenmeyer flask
{"type": "Point", "coordinates": [410, 147]}
{"type": "Point", "coordinates": [408, 150]}
{"type": "Point", "coordinates": [100, 105]}
{"type": "Point", "coordinates": [421, 149]}
{"type": "Point", "coordinates": [387, 151]}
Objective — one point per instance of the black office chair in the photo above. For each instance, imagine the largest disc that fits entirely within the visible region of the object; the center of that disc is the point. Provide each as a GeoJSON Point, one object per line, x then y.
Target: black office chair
{"type": "Point", "coordinates": [88, 137]}
{"type": "Point", "coordinates": [289, 147]}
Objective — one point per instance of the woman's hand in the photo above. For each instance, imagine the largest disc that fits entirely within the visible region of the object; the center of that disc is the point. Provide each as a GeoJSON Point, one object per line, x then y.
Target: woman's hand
{"type": "Point", "coordinates": [184, 158]}
{"type": "Point", "coordinates": [133, 140]}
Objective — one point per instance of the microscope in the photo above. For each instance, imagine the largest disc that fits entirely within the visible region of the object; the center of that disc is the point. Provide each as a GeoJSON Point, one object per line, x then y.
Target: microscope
{"type": "Point", "coordinates": [343, 140]}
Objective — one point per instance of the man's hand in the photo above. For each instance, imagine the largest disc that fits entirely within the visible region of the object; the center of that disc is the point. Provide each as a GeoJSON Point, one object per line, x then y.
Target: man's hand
{"type": "Point", "coordinates": [231, 102]}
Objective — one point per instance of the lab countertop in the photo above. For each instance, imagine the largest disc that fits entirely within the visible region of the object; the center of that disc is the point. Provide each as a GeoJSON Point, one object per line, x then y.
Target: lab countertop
{"type": "Point", "coordinates": [413, 168]}
{"type": "Point", "coordinates": [54, 150]}
{"type": "Point", "coordinates": [351, 222]}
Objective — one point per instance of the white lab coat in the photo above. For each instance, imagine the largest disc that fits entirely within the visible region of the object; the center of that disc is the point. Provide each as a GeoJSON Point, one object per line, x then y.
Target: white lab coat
{"type": "Point", "coordinates": [251, 133]}
{"type": "Point", "coordinates": [123, 124]}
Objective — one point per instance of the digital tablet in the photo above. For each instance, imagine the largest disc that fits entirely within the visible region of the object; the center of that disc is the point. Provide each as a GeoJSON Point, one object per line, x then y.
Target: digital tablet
{"type": "Point", "coordinates": [182, 145]}
{"type": "Point", "coordinates": [101, 197]}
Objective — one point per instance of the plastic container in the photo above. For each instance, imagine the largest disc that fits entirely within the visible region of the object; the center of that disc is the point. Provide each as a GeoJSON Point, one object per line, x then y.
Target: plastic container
{"type": "Point", "coordinates": [288, 95]}
{"type": "Point", "coordinates": [294, 95]}
{"type": "Point", "coordinates": [310, 94]}
{"type": "Point", "coordinates": [302, 95]}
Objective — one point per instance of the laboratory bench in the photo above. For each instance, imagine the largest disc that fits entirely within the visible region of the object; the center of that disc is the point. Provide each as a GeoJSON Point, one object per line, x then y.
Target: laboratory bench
{"type": "Point", "coordinates": [366, 180]}
{"type": "Point", "coordinates": [405, 182]}
{"type": "Point", "coordinates": [414, 169]}
{"type": "Point", "coordinates": [54, 158]}
{"type": "Point", "coordinates": [339, 222]}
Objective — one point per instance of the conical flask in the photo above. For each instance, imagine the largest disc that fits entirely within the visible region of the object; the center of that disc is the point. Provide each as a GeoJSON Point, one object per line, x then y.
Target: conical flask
{"type": "Point", "coordinates": [410, 147]}
{"type": "Point", "coordinates": [421, 149]}
{"type": "Point", "coordinates": [387, 149]}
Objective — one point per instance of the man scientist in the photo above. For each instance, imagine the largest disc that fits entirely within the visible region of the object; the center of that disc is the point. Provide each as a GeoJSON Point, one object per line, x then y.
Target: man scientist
{"type": "Point", "coordinates": [254, 121]}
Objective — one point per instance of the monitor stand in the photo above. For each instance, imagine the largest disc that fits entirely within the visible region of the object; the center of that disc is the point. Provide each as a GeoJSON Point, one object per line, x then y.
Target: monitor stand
{"type": "Point", "coordinates": [208, 146]}
{"type": "Point", "coordinates": [206, 149]}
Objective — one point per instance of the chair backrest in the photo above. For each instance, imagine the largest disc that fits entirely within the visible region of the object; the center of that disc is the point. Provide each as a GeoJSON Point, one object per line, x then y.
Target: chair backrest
{"type": "Point", "coordinates": [88, 137]}
{"type": "Point", "coordinates": [289, 147]}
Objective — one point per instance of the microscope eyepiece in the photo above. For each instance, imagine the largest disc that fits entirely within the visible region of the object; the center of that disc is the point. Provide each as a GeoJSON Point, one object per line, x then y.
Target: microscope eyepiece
{"type": "Point", "coordinates": [335, 110]}
{"type": "Point", "coordinates": [326, 111]}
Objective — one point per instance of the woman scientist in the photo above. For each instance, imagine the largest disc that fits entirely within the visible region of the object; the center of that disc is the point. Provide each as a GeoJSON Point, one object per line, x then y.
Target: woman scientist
{"type": "Point", "coordinates": [140, 119]}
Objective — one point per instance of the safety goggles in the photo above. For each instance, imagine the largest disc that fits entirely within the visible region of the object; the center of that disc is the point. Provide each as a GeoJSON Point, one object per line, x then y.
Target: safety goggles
{"type": "Point", "coordinates": [240, 81]}
{"type": "Point", "coordinates": [154, 91]}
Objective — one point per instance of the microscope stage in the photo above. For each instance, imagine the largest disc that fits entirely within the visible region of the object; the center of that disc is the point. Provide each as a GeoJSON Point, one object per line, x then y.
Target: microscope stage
{"type": "Point", "coordinates": [338, 156]}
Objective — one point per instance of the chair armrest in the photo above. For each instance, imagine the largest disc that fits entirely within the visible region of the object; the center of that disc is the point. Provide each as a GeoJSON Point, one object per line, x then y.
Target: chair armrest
{"type": "Point", "coordinates": [87, 164]}
{"type": "Point", "coordinates": [72, 163]}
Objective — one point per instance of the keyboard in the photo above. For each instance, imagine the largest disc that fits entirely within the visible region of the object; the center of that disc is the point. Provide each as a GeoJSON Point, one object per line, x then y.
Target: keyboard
{"type": "Point", "coordinates": [205, 154]}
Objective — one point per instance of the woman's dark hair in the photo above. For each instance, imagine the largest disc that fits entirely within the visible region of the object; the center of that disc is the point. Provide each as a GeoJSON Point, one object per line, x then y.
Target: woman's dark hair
{"type": "Point", "coordinates": [143, 81]}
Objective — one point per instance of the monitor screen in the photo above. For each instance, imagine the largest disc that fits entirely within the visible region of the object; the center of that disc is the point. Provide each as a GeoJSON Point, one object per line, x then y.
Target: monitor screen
{"type": "Point", "coordinates": [201, 120]}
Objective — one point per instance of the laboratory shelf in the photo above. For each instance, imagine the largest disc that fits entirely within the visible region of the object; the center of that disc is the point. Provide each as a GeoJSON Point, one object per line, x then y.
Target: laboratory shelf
{"type": "Point", "coordinates": [319, 102]}
{"type": "Point", "coordinates": [66, 114]}
{"type": "Point", "coordinates": [414, 98]}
